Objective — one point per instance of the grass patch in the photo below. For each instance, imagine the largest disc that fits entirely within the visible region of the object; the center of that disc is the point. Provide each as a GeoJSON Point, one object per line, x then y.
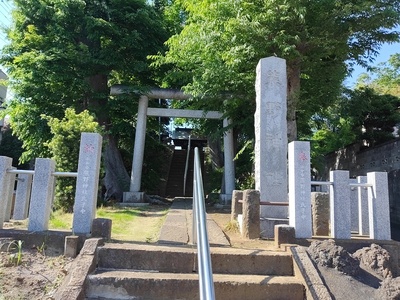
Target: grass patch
{"type": "Point", "coordinates": [60, 220]}
{"type": "Point", "coordinates": [232, 226]}
{"type": "Point", "coordinates": [140, 224]}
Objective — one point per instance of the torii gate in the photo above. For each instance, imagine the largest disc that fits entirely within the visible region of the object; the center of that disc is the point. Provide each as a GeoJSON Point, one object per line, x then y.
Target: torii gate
{"type": "Point", "coordinates": [134, 194]}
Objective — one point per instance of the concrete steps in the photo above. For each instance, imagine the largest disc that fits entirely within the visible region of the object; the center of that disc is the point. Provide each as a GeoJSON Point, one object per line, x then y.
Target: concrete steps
{"type": "Point", "coordinates": [136, 271]}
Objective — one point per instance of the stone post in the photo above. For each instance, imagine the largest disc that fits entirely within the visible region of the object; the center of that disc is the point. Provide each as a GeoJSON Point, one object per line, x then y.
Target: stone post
{"type": "Point", "coordinates": [42, 194]}
{"type": "Point", "coordinates": [271, 136]}
{"type": "Point", "coordinates": [5, 164]}
{"type": "Point", "coordinates": [339, 197]}
{"type": "Point", "coordinates": [251, 214]}
{"type": "Point", "coordinates": [236, 206]}
{"type": "Point", "coordinates": [87, 183]}
{"type": "Point", "coordinates": [229, 165]}
{"type": "Point", "coordinates": [22, 196]}
{"type": "Point", "coordinates": [300, 189]}
{"type": "Point", "coordinates": [134, 194]}
{"type": "Point", "coordinates": [378, 206]}
{"type": "Point", "coordinates": [354, 205]}
{"type": "Point", "coordinates": [9, 195]}
{"type": "Point", "coordinates": [320, 213]}
{"type": "Point", "coordinates": [363, 224]}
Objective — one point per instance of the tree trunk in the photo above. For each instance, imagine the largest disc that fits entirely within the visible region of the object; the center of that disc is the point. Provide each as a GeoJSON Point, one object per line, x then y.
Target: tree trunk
{"type": "Point", "coordinates": [116, 179]}
{"type": "Point", "coordinates": [293, 93]}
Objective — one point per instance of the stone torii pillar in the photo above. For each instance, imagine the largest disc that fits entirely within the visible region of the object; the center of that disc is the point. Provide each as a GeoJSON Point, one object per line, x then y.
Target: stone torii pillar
{"type": "Point", "coordinates": [134, 194]}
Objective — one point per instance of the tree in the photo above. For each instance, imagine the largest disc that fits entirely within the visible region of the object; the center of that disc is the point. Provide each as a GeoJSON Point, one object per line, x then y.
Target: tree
{"type": "Point", "coordinates": [219, 47]}
{"type": "Point", "coordinates": [386, 77]}
{"type": "Point", "coordinates": [64, 147]}
{"type": "Point", "coordinates": [373, 116]}
{"type": "Point", "coordinates": [65, 54]}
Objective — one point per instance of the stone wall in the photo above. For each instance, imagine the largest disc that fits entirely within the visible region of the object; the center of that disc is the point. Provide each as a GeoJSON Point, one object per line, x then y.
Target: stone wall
{"type": "Point", "coordinates": [358, 161]}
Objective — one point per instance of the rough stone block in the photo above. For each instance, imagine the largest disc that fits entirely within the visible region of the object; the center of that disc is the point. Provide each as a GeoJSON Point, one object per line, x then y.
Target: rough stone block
{"type": "Point", "coordinates": [101, 227]}
{"type": "Point", "coordinates": [251, 214]}
{"type": "Point", "coordinates": [320, 213]}
{"type": "Point", "coordinates": [284, 234]}
{"type": "Point", "coordinates": [71, 246]}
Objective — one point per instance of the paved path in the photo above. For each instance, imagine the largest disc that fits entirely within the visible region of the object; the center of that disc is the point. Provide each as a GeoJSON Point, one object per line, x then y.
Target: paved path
{"type": "Point", "coordinates": [177, 228]}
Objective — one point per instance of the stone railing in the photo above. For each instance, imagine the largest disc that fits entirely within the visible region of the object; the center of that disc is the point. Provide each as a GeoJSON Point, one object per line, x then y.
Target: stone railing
{"type": "Point", "coordinates": [35, 188]}
{"type": "Point", "coordinates": [352, 205]}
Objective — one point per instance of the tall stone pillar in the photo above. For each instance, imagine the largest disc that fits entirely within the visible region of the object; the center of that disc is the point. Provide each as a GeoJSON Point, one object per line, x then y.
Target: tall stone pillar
{"type": "Point", "coordinates": [271, 136]}
{"type": "Point", "coordinates": [134, 194]}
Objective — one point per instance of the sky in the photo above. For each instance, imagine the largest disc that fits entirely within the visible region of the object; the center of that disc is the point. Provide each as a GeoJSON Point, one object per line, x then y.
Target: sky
{"type": "Point", "coordinates": [384, 53]}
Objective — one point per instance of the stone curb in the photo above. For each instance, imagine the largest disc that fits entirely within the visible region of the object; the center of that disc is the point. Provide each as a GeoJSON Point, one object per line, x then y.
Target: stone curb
{"type": "Point", "coordinates": [73, 285]}
{"type": "Point", "coordinates": [315, 287]}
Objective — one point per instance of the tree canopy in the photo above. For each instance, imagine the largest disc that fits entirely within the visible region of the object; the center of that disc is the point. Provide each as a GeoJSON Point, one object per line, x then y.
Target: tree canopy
{"type": "Point", "coordinates": [66, 53]}
{"type": "Point", "coordinates": [221, 42]}
{"type": "Point", "coordinates": [385, 77]}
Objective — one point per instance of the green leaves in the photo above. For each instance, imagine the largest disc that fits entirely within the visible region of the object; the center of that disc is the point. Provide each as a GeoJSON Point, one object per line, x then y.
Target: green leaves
{"type": "Point", "coordinates": [64, 147]}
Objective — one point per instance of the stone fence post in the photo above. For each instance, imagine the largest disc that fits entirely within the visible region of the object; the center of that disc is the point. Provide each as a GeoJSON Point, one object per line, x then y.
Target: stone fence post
{"type": "Point", "coordinates": [236, 206]}
{"type": "Point", "coordinates": [42, 194]}
{"type": "Point", "coordinates": [22, 196]}
{"type": "Point", "coordinates": [378, 206]}
{"type": "Point", "coordinates": [5, 164]}
{"type": "Point", "coordinates": [9, 194]}
{"type": "Point", "coordinates": [340, 214]}
{"type": "Point", "coordinates": [363, 222]}
{"type": "Point", "coordinates": [251, 214]}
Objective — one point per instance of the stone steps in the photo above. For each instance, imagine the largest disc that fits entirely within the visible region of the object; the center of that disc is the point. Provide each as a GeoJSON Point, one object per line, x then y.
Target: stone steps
{"type": "Point", "coordinates": [122, 284]}
{"type": "Point", "coordinates": [143, 271]}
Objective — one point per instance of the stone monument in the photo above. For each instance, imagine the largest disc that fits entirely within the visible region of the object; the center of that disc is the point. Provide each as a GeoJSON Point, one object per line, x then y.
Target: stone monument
{"type": "Point", "coordinates": [271, 141]}
{"type": "Point", "coordinates": [87, 182]}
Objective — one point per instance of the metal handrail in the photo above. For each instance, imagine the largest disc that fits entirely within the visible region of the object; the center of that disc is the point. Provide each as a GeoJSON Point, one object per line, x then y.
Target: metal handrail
{"type": "Point", "coordinates": [206, 283]}
{"type": "Point", "coordinates": [186, 167]}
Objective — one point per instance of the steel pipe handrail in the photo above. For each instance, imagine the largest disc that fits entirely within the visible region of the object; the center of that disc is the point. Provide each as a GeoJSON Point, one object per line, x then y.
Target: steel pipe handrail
{"type": "Point", "coordinates": [321, 183]}
{"type": "Point", "coordinates": [65, 174]}
{"type": "Point", "coordinates": [32, 172]}
{"type": "Point", "coordinates": [186, 167]}
{"type": "Point", "coordinates": [206, 283]}
{"type": "Point", "coordinates": [16, 171]}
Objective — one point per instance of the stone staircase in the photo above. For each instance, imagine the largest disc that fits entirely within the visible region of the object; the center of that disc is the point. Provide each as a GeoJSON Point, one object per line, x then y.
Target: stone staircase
{"type": "Point", "coordinates": [177, 171]}
{"type": "Point", "coordinates": [144, 271]}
